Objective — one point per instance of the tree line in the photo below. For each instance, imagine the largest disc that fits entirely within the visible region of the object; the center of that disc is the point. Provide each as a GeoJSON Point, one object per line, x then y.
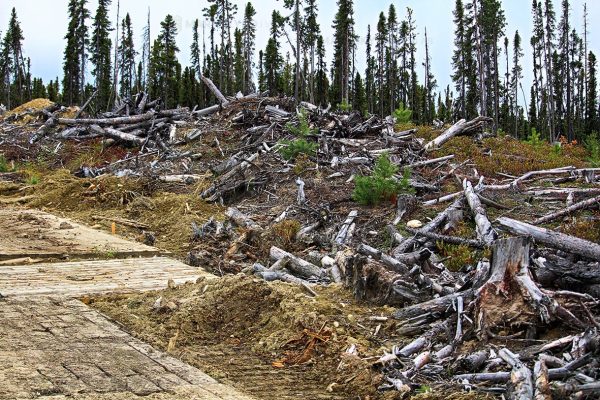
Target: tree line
{"type": "Point", "coordinates": [487, 70]}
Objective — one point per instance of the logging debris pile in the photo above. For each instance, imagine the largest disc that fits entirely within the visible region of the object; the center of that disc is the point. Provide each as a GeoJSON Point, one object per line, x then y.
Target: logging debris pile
{"type": "Point", "coordinates": [481, 270]}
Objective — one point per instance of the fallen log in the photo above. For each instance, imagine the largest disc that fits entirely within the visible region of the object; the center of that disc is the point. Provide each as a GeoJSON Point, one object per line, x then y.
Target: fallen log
{"type": "Point", "coordinates": [446, 239]}
{"type": "Point", "coordinates": [342, 236]}
{"type": "Point", "coordinates": [387, 260]}
{"type": "Point", "coordinates": [431, 161]}
{"type": "Point", "coordinates": [434, 224]}
{"type": "Point", "coordinates": [521, 382]}
{"type": "Point", "coordinates": [552, 238]}
{"type": "Point", "coordinates": [485, 231]}
{"type": "Point", "coordinates": [115, 134]}
{"type": "Point", "coordinates": [461, 127]}
{"type": "Point", "coordinates": [566, 211]}
{"type": "Point", "coordinates": [296, 265]}
{"type": "Point", "coordinates": [134, 119]}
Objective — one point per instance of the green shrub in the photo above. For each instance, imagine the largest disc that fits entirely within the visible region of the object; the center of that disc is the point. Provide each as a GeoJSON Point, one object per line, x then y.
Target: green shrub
{"type": "Point", "coordinates": [381, 185]}
{"type": "Point", "coordinates": [344, 106]}
{"type": "Point", "coordinates": [403, 115]}
{"type": "Point", "coordinates": [592, 144]}
{"type": "Point", "coordinates": [33, 180]}
{"type": "Point", "coordinates": [534, 138]}
{"type": "Point", "coordinates": [557, 149]}
{"type": "Point", "coordinates": [3, 164]}
{"type": "Point", "coordinates": [292, 148]}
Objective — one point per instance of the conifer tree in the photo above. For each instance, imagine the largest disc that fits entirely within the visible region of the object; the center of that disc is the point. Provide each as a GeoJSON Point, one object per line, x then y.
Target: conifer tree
{"type": "Point", "coordinates": [127, 55]}
{"type": "Point", "coordinates": [313, 30]}
{"type": "Point", "coordinates": [322, 83]}
{"type": "Point", "coordinates": [517, 75]}
{"type": "Point", "coordinates": [248, 42]}
{"type": "Point", "coordinates": [100, 54]}
{"type": "Point", "coordinates": [344, 42]}
{"type": "Point", "coordinates": [380, 46]}
{"type": "Point", "coordinates": [12, 65]}
{"type": "Point", "coordinates": [74, 56]}
{"type": "Point", "coordinates": [592, 95]}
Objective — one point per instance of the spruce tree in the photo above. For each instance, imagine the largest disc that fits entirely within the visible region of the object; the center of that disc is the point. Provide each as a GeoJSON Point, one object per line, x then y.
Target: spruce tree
{"type": "Point", "coordinates": [74, 55]}
{"type": "Point", "coordinates": [239, 62]}
{"type": "Point", "coordinates": [100, 54]}
{"type": "Point", "coordinates": [127, 55]}
{"type": "Point", "coordinates": [380, 45]}
{"type": "Point", "coordinates": [592, 95]}
{"type": "Point", "coordinates": [344, 42]}
{"type": "Point", "coordinates": [248, 41]}
{"type": "Point", "coordinates": [13, 66]}
{"type": "Point", "coordinates": [322, 83]}
{"type": "Point", "coordinates": [313, 30]}
{"type": "Point", "coordinates": [360, 101]}
{"type": "Point", "coordinates": [369, 72]}
{"type": "Point", "coordinates": [517, 75]}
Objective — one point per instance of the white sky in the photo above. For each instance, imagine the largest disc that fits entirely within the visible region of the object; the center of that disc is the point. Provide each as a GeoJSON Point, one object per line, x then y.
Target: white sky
{"type": "Point", "coordinates": [44, 24]}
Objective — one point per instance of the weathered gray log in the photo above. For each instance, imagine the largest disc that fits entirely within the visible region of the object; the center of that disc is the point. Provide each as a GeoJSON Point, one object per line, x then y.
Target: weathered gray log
{"type": "Point", "coordinates": [459, 128]}
{"type": "Point", "coordinates": [296, 265]}
{"type": "Point", "coordinates": [521, 381]}
{"type": "Point", "coordinates": [493, 377]}
{"type": "Point", "coordinates": [270, 275]}
{"type": "Point", "coordinates": [566, 211]}
{"type": "Point", "coordinates": [445, 238]}
{"type": "Point", "coordinates": [387, 260]}
{"type": "Point", "coordinates": [442, 199]}
{"type": "Point", "coordinates": [115, 134]}
{"type": "Point", "coordinates": [542, 380]}
{"type": "Point", "coordinates": [438, 306]}
{"type": "Point", "coordinates": [472, 362]}
{"type": "Point", "coordinates": [485, 231]}
{"type": "Point", "coordinates": [213, 88]}
{"type": "Point", "coordinates": [134, 119]}
{"type": "Point", "coordinates": [207, 110]}
{"type": "Point", "coordinates": [552, 238]}
{"type": "Point", "coordinates": [342, 236]}
{"type": "Point", "coordinates": [429, 227]}
{"type": "Point", "coordinates": [424, 340]}
{"type": "Point", "coordinates": [431, 161]}
{"type": "Point", "coordinates": [241, 219]}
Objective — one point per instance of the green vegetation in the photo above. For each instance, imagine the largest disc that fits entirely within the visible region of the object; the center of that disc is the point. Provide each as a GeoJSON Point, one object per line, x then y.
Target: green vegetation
{"type": "Point", "coordinates": [534, 138]}
{"type": "Point", "coordinates": [381, 185]}
{"type": "Point", "coordinates": [344, 106]}
{"type": "Point", "coordinates": [293, 148]}
{"type": "Point", "coordinates": [3, 164]}
{"type": "Point", "coordinates": [403, 115]}
{"type": "Point", "coordinates": [592, 144]}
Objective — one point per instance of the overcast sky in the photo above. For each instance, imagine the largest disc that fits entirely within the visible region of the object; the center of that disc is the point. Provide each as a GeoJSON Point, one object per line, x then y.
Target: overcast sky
{"type": "Point", "coordinates": [44, 24]}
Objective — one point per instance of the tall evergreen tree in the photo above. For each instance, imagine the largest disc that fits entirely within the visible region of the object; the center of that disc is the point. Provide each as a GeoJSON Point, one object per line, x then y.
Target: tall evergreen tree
{"type": "Point", "coordinates": [12, 65]}
{"type": "Point", "coordinates": [75, 56]}
{"type": "Point", "coordinates": [517, 75]}
{"type": "Point", "coordinates": [313, 30]}
{"type": "Point", "coordinates": [224, 12]}
{"type": "Point", "coordinates": [164, 67]}
{"type": "Point", "coordinates": [344, 42]}
{"type": "Point", "coordinates": [322, 84]}
{"type": "Point", "coordinates": [592, 95]}
{"type": "Point", "coordinates": [100, 54]}
{"type": "Point", "coordinates": [248, 42]}
{"type": "Point", "coordinates": [127, 55]}
{"type": "Point", "coordinates": [380, 46]}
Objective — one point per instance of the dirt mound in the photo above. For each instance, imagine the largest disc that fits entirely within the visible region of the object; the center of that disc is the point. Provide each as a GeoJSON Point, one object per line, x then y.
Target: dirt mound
{"type": "Point", "coordinates": [276, 327]}
{"type": "Point", "coordinates": [33, 105]}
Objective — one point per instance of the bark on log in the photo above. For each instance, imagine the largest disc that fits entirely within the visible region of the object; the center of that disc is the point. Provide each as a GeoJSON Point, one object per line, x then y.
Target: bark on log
{"type": "Point", "coordinates": [115, 134]}
{"type": "Point", "coordinates": [388, 261]}
{"type": "Point", "coordinates": [433, 308]}
{"type": "Point", "coordinates": [575, 207]}
{"type": "Point", "coordinates": [431, 226]}
{"type": "Point", "coordinates": [342, 236]}
{"type": "Point", "coordinates": [241, 219]}
{"type": "Point", "coordinates": [552, 238]}
{"type": "Point", "coordinates": [106, 121]}
{"type": "Point", "coordinates": [459, 128]}
{"type": "Point", "coordinates": [521, 381]}
{"type": "Point", "coordinates": [485, 231]}
{"type": "Point", "coordinates": [431, 161]}
{"type": "Point", "coordinates": [542, 388]}
{"type": "Point", "coordinates": [296, 265]}
{"type": "Point", "coordinates": [213, 88]}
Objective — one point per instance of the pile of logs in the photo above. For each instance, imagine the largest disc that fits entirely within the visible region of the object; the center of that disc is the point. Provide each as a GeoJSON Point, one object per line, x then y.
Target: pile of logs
{"type": "Point", "coordinates": [531, 280]}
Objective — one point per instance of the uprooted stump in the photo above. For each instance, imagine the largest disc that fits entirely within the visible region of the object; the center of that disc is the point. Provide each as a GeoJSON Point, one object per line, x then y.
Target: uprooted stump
{"type": "Point", "coordinates": [510, 297]}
